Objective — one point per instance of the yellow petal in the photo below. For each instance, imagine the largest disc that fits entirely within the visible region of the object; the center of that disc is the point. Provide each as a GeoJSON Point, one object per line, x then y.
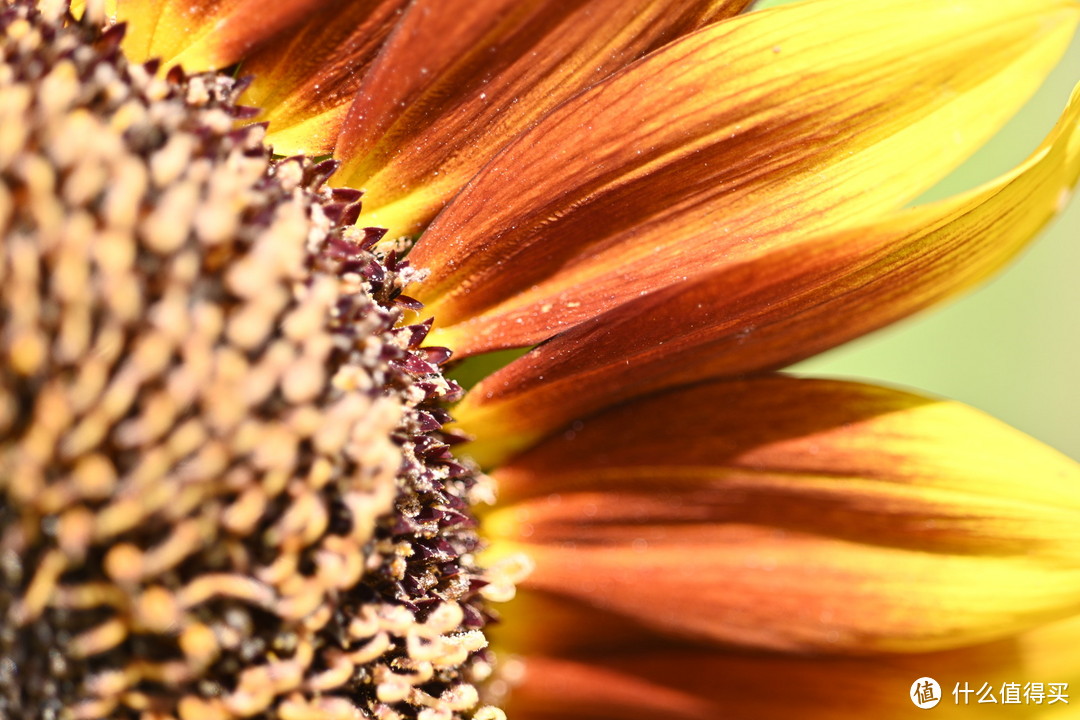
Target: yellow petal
{"type": "Point", "coordinates": [79, 6]}
{"type": "Point", "coordinates": [800, 515]}
{"type": "Point", "coordinates": [204, 34]}
{"type": "Point", "coordinates": [738, 138]}
{"type": "Point", "coordinates": [776, 305]}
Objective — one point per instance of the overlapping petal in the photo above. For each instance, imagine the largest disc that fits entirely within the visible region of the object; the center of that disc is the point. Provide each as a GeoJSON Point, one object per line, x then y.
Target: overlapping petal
{"type": "Point", "coordinates": [583, 664]}
{"type": "Point", "coordinates": [738, 138]}
{"type": "Point", "coordinates": [306, 82]}
{"type": "Point", "coordinates": [800, 515]}
{"type": "Point", "coordinates": [424, 122]}
{"type": "Point", "coordinates": [774, 306]}
{"type": "Point", "coordinates": [204, 34]}
{"type": "Point", "coordinates": [687, 683]}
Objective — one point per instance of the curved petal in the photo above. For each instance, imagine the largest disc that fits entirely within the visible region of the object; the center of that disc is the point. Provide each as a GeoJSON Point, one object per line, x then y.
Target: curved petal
{"type": "Point", "coordinates": [305, 84]}
{"type": "Point", "coordinates": [425, 122]}
{"type": "Point", "coordinates": [776, 306]}
{"type": "Point", "coordinates": [567, 670]}
{"type": "Point", "coordinates": [800, 515]}
{"type": "Point", "coordinates": [694, 684]}
{"type": "Point", "coordinates": [733, 140]}
{"type": "Point", "coordinates": [204, 34]}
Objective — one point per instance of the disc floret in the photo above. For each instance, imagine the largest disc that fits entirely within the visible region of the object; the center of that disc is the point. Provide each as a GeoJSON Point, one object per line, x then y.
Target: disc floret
{"type": "Point", "coordinates": [225, 486]}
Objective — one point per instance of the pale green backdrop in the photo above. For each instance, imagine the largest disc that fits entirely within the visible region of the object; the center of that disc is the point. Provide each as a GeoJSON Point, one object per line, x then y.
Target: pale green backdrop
{"type": "Point", "coordinates": [1010, 348]}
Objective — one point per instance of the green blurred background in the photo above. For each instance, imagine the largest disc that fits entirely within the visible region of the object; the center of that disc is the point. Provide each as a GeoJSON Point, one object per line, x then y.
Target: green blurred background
{"type": "Point", "coordinates": [1011, 347]}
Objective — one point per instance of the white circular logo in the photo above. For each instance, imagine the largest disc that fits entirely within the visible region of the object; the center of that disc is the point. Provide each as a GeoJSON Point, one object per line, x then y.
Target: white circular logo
{"type": "Point", "coordinates": [925, 693]}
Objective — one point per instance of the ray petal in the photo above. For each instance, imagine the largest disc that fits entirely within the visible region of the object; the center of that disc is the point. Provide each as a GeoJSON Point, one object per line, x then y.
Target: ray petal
{"type": "Point", "coordinates": [735, 139]}
{"type": "Point", "coordinates": [424, 122]}
{"type": "Point", "coordinates": [800, 515]}
{"type": "Point", "coordinates": [695, 684]}
{"type": "Point", "coordinates": [306, 84]}
{"type": "Point", "coordinates": [776, 306]}
{"type": "Point", "coordinates": [204, 34]}
{"type": "Point", "coordinates": [580, 664]}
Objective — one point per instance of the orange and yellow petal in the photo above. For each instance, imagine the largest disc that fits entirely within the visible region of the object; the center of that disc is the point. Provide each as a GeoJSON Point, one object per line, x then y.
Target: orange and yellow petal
{"type": "Point", "coordinates": [305, 83]}
{"type": "Point", "coordinates": [799, 515]}
{"type": "Point", "coordinates": [582, 664]}
{"type": "Point", "coordinates": [736, 139]}
{"type": "Point", "coordinates": [204, 34]}
{"type": "Point", "coordinates": [695, 684]}
{"type": "Point", "coordinates": [775, 306]}
{"type": "Point", "coordinates": [424, 122]}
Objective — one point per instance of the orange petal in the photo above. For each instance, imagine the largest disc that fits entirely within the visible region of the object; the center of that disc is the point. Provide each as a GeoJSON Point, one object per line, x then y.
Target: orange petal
{"type": "Point", "coordinates": [305, 83]}
{"type": "Point", "coordinates": [647, 677]}
{"type": "Point", "coordinates": [776, 305]}
{"type": "Point", "coordinates": [735, 139]}
{"type": "Point", "coordinates": [569, 627]}
{"type": "Point", "coordinates": [204, 34]}
{"type": "Point", "coordinates": [800, 515]}
{"type": "Point", "coordinates": [425, 121]}
{"type": "Point", "coordinates": [693, 684]}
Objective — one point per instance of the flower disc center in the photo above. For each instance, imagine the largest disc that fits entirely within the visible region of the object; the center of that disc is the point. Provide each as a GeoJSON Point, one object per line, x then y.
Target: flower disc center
{"type": "Point", "coordinates": [225, 490]}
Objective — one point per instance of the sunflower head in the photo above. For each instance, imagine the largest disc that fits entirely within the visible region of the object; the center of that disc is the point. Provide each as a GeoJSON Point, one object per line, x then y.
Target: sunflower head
{"type": "Point", "coordinates": [230, 486]}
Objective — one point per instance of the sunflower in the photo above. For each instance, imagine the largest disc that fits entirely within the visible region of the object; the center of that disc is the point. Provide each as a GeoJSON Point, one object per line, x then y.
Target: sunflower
{"type": "Point", "coordinates": [243, 241]}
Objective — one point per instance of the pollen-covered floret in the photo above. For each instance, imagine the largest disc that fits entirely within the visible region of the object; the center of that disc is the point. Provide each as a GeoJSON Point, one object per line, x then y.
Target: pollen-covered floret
{"type": "Point", "coordinates": [225, 490]}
